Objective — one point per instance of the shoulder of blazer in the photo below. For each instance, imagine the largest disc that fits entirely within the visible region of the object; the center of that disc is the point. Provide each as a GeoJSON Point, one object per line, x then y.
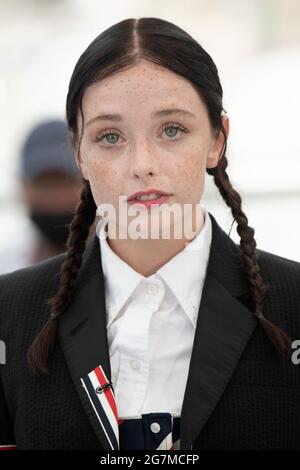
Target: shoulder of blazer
{"type": "Point", "coordinates": [18, 288]}
{"type": "Point", "coordinates": [282, 302]}
{"type": "Point", "coordinates": [23, 303]}
{"type": "Point", "coordinates": [24, 292]}
{"type": "Point", "coordinates": [280, 262]}
{"type": "Point", "coordinates": [283, 273]}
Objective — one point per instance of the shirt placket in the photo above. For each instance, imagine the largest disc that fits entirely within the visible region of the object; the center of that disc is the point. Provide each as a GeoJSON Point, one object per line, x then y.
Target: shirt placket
{"type": "Point", "coordinates": [133, 342]}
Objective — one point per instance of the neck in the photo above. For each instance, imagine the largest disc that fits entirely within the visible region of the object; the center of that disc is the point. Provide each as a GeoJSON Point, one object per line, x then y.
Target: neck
{"type": "Point", "coordinates": [146, 256]}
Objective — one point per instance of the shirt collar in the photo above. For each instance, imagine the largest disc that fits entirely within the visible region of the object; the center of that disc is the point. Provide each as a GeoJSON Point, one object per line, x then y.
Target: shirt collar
{"type": "Point", "coordinates": [191, 263]}
{"type": "Point", "coordinates": [185, 273]}
{"type": "Point", "coordinates": [114, 270]}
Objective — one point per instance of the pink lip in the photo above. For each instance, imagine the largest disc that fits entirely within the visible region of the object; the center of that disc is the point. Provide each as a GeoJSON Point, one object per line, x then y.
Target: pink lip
{"type": "Point", "coordinates": [148, 191]}
{"type": "Point", "coordinates": [160, 200]}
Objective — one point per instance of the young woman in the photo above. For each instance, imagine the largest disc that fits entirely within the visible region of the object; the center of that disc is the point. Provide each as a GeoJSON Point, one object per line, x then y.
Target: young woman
{"type": "Point", "coordinates": [150, 343]}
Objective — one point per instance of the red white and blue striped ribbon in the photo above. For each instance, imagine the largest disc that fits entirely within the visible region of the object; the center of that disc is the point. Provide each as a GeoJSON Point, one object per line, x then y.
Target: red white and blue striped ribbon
{"type": "Point", "coordinates": [103, 403]}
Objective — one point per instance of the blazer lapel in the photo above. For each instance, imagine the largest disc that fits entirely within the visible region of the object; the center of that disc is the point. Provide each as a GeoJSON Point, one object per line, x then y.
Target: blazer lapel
{"type": "Point", "coordinates": [83, 338]}
{"type": "Point", "coordinates": [223, 329]}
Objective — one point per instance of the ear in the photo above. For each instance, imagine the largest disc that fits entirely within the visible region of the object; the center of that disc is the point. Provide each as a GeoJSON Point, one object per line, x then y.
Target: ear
{"type": "Point", "coordinates": [217, 143]}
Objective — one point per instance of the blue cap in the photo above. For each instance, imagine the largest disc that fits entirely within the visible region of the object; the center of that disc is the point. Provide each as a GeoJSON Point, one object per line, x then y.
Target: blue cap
{"type": "Point", "coordinates": [47, 148]}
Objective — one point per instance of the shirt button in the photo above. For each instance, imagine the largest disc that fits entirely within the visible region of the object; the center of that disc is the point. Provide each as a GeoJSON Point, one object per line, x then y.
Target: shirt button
{"type": "Point", "coordinates": [152, 289]}
{"type": "Point", "coordinates": [135, 364]}
{"type": "Point", "coordinates": [155, 427]}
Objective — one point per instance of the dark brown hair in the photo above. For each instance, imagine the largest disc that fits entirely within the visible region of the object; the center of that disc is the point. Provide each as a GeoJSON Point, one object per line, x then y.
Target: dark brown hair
{"type": "Point", "coordinates": [119, 47]}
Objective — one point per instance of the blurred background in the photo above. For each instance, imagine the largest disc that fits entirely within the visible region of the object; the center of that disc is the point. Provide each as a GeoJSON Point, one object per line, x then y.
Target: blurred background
{"type": "Point", "coordinates": [256, 47]}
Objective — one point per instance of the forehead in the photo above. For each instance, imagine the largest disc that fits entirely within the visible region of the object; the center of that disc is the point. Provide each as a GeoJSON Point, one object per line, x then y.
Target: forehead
{"type": "Point", "coordinates": [144, 87]}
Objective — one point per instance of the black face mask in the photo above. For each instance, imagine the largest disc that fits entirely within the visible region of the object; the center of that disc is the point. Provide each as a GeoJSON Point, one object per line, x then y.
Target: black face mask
{"type": "Point", "coordinates": [53, 226]}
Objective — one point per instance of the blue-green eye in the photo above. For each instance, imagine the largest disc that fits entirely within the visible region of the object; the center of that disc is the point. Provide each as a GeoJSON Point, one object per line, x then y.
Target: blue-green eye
{"type": "Point", "coordinates": [174, 129]}
{"type": "Point", "coordinates": [115, 138]}
{"type": "Point", "coordinates": [109, 134]}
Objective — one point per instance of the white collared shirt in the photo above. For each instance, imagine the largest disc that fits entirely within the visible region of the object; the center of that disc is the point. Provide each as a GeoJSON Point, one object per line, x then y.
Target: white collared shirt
{"type": "Point", "coordinates": [151, 325]}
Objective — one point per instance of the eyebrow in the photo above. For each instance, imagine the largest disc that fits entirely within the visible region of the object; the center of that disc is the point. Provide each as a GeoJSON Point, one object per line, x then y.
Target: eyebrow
{"type": "Point", "coordinates": [160, 113]}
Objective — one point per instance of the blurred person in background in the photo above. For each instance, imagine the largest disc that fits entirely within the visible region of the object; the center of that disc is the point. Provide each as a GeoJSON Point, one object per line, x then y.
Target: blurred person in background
{"type": "Point", "coordinates": [50, 186]}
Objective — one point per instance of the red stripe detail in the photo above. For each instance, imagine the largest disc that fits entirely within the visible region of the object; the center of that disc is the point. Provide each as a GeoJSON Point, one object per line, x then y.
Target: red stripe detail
{"type": "Point", "coordinates": [108, 393]}
{"type": "Point", "coordinates": [12, 447]}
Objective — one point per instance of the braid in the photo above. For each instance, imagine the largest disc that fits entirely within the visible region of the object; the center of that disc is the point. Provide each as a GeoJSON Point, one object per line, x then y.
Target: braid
{"type": "Point", "coordinates": [257, 286]}
{"type": "Point", "coordinates": [84, 217]}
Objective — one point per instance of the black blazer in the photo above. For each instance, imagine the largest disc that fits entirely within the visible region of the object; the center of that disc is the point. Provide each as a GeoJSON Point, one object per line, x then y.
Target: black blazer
{"type": "Point", "coordinates": [238, 394]}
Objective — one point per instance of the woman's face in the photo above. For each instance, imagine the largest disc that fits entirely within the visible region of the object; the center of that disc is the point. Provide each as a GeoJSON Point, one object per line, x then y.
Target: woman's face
{"type": "Point", "coordinates": [161, 138]}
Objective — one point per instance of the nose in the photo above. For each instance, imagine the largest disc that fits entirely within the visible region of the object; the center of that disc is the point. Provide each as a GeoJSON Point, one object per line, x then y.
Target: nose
{"type": "Point", "coordinates": [142, 160]}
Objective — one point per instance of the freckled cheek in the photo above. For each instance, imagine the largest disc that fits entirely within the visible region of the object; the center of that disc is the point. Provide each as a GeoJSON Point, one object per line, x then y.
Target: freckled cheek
{"type": "Point", "coordinates": [105, 183]}
{"type": "Point", "coordinates": [190, 175]}
{"type": "Point", "coordinates": [190, 167]}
